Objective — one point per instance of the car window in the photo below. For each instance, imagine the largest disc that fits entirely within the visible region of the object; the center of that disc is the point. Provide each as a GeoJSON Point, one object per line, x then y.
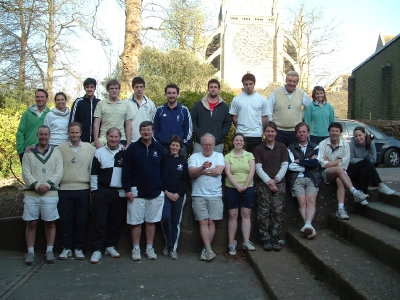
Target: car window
{"type": "Point", "coordinates": [351, 126]}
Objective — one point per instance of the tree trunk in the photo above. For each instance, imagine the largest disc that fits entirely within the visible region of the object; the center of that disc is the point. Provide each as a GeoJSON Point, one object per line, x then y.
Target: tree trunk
{"type": "Point", "coordinates": [51, 52]}
{"type": "Point", "coordinates": [133, 44]}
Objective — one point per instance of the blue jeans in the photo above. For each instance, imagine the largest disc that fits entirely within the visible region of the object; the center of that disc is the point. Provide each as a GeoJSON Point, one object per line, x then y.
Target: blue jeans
{"type": "Point", "coordinates": [171, 221]}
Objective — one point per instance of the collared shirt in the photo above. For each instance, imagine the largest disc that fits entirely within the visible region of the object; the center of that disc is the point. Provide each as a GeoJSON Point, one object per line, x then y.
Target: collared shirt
{"type": "Point", "coordinates": [272, 98]}
{"type": "Point", "coordinates": [240, 167]}
{"type": "Point", "coordinates": [36, 150]}
{"type": "Point", "coordinates": [75, 149]}
{"type": "Point", "coordinates": [341, 151]}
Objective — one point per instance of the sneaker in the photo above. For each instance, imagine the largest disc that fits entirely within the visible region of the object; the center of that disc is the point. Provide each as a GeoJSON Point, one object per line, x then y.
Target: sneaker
{"type": "Point", "coordinates": [364, 202]}
{"type": "Point", "coordinates": [29, 258]}
{"type": "Point", "coordinates": [312, 235]}
{"type": "Point", "coordinates": [136, 254]}
{"type": "Point", "coordinates": [150, 254]}
{"type": "Point", "coordinates": [267, 246]}
{"type": "Point", "coordinates": [65, 254]}
{"type": "Point", "coordinates": [165, 251]}
{"type": "Point", "coordinates": [203, 255]}
{"type": "Point", "coordinates": [303, 228]}
{"type": "Point", "coordinates": [96, 256]}
{"type": "Point", "coordinates": [79, 254]}
{"type": "Point", "coordinates": [232, 248]}
{"type": "Point", "coordinates": [276, 247]}
{"type": "Point", "coordinates": [386, 190]}
{"type": "Point", "coordinates": [307, 230]}
{"type": "Point", "coordinates": [360, 196]}
{"type": "Point", "coordinates": [342, 214]}
{"type": "Point", "coordinates": [174, 255]}
{"type": "Point", "coordinates": [112, 252]}
{"type": "Point", "coordinates": [210, 255]}
{"type": "Point", "coordinates": [248, 246]}
{"type": "Point", "coordinates": [50, 259]}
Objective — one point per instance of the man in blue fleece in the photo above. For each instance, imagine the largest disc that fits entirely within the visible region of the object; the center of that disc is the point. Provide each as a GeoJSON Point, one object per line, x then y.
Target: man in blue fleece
{"type": "Point", "coordinates": [144, 179]}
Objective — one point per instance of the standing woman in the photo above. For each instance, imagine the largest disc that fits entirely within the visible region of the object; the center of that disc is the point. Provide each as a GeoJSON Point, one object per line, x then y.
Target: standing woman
{"type": "Point", "coordinates": [239, 191]}
{"type": "Point", "coordinates": [361, 169]}
{"type": "Point", "coordinates": [175, 196]}
{"type": "Point", "coordinates": [319, 115]}
{"type": "Point", "coordinates": [57, 120]}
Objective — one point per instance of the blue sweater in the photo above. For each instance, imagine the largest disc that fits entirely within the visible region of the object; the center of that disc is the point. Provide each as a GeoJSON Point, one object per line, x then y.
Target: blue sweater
{"type": "Point", "coordinates": [168, 122]}
{"type": "Point", "coordinates": [145, 168]}
{"type": "Point", "coordinates": [178, 176]}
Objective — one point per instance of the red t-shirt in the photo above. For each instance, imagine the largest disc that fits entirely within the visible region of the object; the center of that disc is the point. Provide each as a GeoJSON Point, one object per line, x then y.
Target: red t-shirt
{"type": "Point", "coordinates": [212, 106]}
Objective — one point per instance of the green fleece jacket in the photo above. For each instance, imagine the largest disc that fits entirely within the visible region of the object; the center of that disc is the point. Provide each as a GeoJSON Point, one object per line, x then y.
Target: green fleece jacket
{"type": "Point", "coordinates": [28, 127]}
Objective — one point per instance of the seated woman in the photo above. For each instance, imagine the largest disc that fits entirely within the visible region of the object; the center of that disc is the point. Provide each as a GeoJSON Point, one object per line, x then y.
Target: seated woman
{"type": "Point", "coordinates": [239, 191]}
{"type": "Point", "coordinates": [361, 169]}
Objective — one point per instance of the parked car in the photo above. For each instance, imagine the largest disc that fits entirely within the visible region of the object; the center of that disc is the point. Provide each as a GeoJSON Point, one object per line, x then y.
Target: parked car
{"type": "Point", "coordinates": [387, 148]}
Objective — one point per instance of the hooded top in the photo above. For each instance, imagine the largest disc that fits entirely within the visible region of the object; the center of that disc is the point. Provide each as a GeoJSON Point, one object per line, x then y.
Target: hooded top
{"type": "Point", "coordinates": [57, 121]}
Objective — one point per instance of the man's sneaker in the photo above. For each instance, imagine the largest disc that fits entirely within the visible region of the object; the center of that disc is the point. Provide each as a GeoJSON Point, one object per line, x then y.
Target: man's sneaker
{"type": "Point", "coordinates": [165, 251]}
{"type": "Point", "coordinates": [248, 246]}
{"type": "Point", "coordinates": [307, 230]}
{"type": "Point", "coordinates": [174, 255]}
{"type": "Point", "coordinates": [386, 190]}
{"type": "Point", "coordinates": [232, 248]}
{"type": "Point", "coordinates": [364, 202]}
{"type": "Point", "coordinates": [50, 259]}
{"type": "Point", "coordinates": [210, 255]}
{"type": "Point", "coordinates": [312, 235]}
{"type": "Point", "coordinates": [96, 256]}
{"type": "Point", "coordinates": [203, 255]}
{"type": "Point", "coordinates": [112, 252]}
{"type": "Point", "coordinates": [29, 258]}
{"type": "Point", "coordinates": [150, 254]}
{"type": "Point", "coordinates": [276, 246]}
{"type": "Point", "coordinates": [65, 254]}
{"type": "Point", "coordinates": [136, 254]}
{"type": "Point", "coordinates": [342, 214]}
{"type": "Point", "coordinates": [79, 254]}
{"type": "Point", "coordinates": [359, 196]}
{"type": "Point", "coordinates": [267, 246]}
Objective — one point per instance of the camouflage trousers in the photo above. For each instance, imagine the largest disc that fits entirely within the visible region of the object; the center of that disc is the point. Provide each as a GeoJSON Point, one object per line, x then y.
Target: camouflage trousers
{"type": "Point", "coordinates": [270, 211]}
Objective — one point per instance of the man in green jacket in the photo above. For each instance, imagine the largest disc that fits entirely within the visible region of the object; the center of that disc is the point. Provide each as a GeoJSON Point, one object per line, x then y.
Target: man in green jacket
{"type": "Point", "coordinates": [30, 122]}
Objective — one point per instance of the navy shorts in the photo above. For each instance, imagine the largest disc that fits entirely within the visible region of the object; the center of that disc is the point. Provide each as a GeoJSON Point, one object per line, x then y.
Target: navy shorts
{"type": "Point", "coordinates": [234, 199]}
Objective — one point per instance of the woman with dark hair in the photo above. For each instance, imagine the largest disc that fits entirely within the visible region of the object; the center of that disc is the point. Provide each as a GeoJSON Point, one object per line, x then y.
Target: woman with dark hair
{"type": "Point", "coordinates": [175, 197]}
{"type": "Point", "coordinates": [361, 169]}
{"type": "Point", "coordinates": [239, 191]}
{"type": "Point", "coordinates": [57, 120]}
{"type": "Point", "coordinates": [319, 115]}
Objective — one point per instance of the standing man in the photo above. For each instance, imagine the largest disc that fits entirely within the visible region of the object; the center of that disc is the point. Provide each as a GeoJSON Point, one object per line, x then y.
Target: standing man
{"type": "Point", "coordinates": [144, 178]}
{"type": "Point", "coordinates": [249, 112]}
{"type": "Point", "coordinates": [74, 193]}
{"type": "Point", "coordinates": [83, 108]}
{"type": "Point", "coordinates": [30, 122]}
{"type": "Point", "coordinates": [271, 165]}
{"type": "Point", "coordinates": [211, 114]}
{"type": "Point", "coordinates": [42, 170]}
{"type": "Point", "coordinates": [173, 118]}
{"type": "Point", "coordinates": [334, 157]}
{"type": "Point", "coordinates": [112, 113]}
{"type": "Point", "coordinates": [108, 208]}
{"type": "Point", "coordinates": [304, 176]}
{"type": "Point", "coordinates": [286, 104]}
{"type": "Point", "coordinates": [143, 109]}
{"type": "Point", "coordinates": [205, 168]}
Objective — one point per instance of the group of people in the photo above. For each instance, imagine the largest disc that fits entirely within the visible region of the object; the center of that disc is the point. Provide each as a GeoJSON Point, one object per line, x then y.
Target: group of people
{"type": "Point", "coordinates": [129, 158]}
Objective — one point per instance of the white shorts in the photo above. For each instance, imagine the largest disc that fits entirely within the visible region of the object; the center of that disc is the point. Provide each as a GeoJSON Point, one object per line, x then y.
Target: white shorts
{"type": "Point", "coordinates": [46, 207]}
{"type": "Point", "coordinates": [145, 210]}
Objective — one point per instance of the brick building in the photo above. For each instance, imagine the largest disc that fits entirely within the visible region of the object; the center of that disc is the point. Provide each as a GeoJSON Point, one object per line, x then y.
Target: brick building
{"type": "Point", "coordinates": [374, 86]}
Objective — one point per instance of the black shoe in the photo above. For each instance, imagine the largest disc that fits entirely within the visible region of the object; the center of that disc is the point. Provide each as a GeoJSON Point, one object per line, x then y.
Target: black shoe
{"type": "Point", "coordinates": [267, 246]}
{"type": "Point", "coordinates": [276, 247]}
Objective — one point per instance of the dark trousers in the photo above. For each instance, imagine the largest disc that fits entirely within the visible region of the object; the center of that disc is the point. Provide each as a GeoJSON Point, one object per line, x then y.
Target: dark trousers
{"type": "Point", "coordinates": [252, 143]}
{"type": "Point", "coordinates": [286, 137]}
{"type": "Point", "coordinates": [108, 215]}
{"type": "Point", "coordinates": [73, 207]}
{"type": "Point", "coordinates": [171, 221]}
{"type": "Point", "coordinates": [363, 173]}
{"type": "Point", "coordinates": [317, 139]}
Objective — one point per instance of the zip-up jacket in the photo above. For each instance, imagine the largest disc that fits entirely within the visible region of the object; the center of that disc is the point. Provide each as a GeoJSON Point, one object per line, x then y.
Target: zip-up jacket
{"type": "Point", "coordinates": [82, 111]}
{"type": "Point", "coordinates": [178, 175]}
{"type": "Point", "coordinates": [307, 166]}
{"type": "Point", "coordinates": [145, 168]}
{"type": "Point", "coordinates": [218, 123]}
{"type": "Point", "coordinates": [168, 122]}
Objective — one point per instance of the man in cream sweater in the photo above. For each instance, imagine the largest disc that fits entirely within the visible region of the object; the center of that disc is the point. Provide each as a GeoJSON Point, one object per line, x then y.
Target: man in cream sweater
{"type": "Point", "coordinates": [42, 171]}
{"type": "Point", "coordinates": [74, 192]}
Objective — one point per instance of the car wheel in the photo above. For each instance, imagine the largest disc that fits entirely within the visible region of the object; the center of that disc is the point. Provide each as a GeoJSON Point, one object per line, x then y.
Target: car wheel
{"type": "Point", "coordinates": [391, 158]}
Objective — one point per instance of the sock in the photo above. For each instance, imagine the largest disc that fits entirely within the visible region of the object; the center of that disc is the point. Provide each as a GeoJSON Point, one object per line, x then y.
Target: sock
{"type": "Point", "coordinates": [31, 250]}
{"type": "Point", "coordinates": [49, 248]}
{"type": "Point", "coordinates": [308, 222]}
{"type": "Point", "coordinates": [208, 248]}
{"type": "Point", "coordinates": [341, 205]}
{"type": "Point", "coordinates": [149, 246]}
{"type": "Point", "coordinates": [353, 190]}
{"type": "Point", "coordinates": [136, 246]}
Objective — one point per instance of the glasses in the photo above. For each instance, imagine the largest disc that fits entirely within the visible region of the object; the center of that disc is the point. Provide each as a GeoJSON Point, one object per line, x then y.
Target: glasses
{"type": "Point", "coordinates": [207, 145]}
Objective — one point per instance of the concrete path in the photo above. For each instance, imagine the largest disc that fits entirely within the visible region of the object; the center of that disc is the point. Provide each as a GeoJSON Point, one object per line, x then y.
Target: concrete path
{"type": "Point", "coordinates": [390, 177]}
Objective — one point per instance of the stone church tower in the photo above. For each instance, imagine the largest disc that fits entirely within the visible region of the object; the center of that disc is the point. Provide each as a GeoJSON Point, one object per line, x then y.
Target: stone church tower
{"type": "Point", "coordinates": [248, 39]}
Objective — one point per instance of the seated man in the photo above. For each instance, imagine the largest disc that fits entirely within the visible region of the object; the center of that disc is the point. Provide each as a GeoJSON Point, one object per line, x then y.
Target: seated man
{"type": "Point", "coordinates": [334, 157]}
{"type": "Point", "coordinates": [304, 176]}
